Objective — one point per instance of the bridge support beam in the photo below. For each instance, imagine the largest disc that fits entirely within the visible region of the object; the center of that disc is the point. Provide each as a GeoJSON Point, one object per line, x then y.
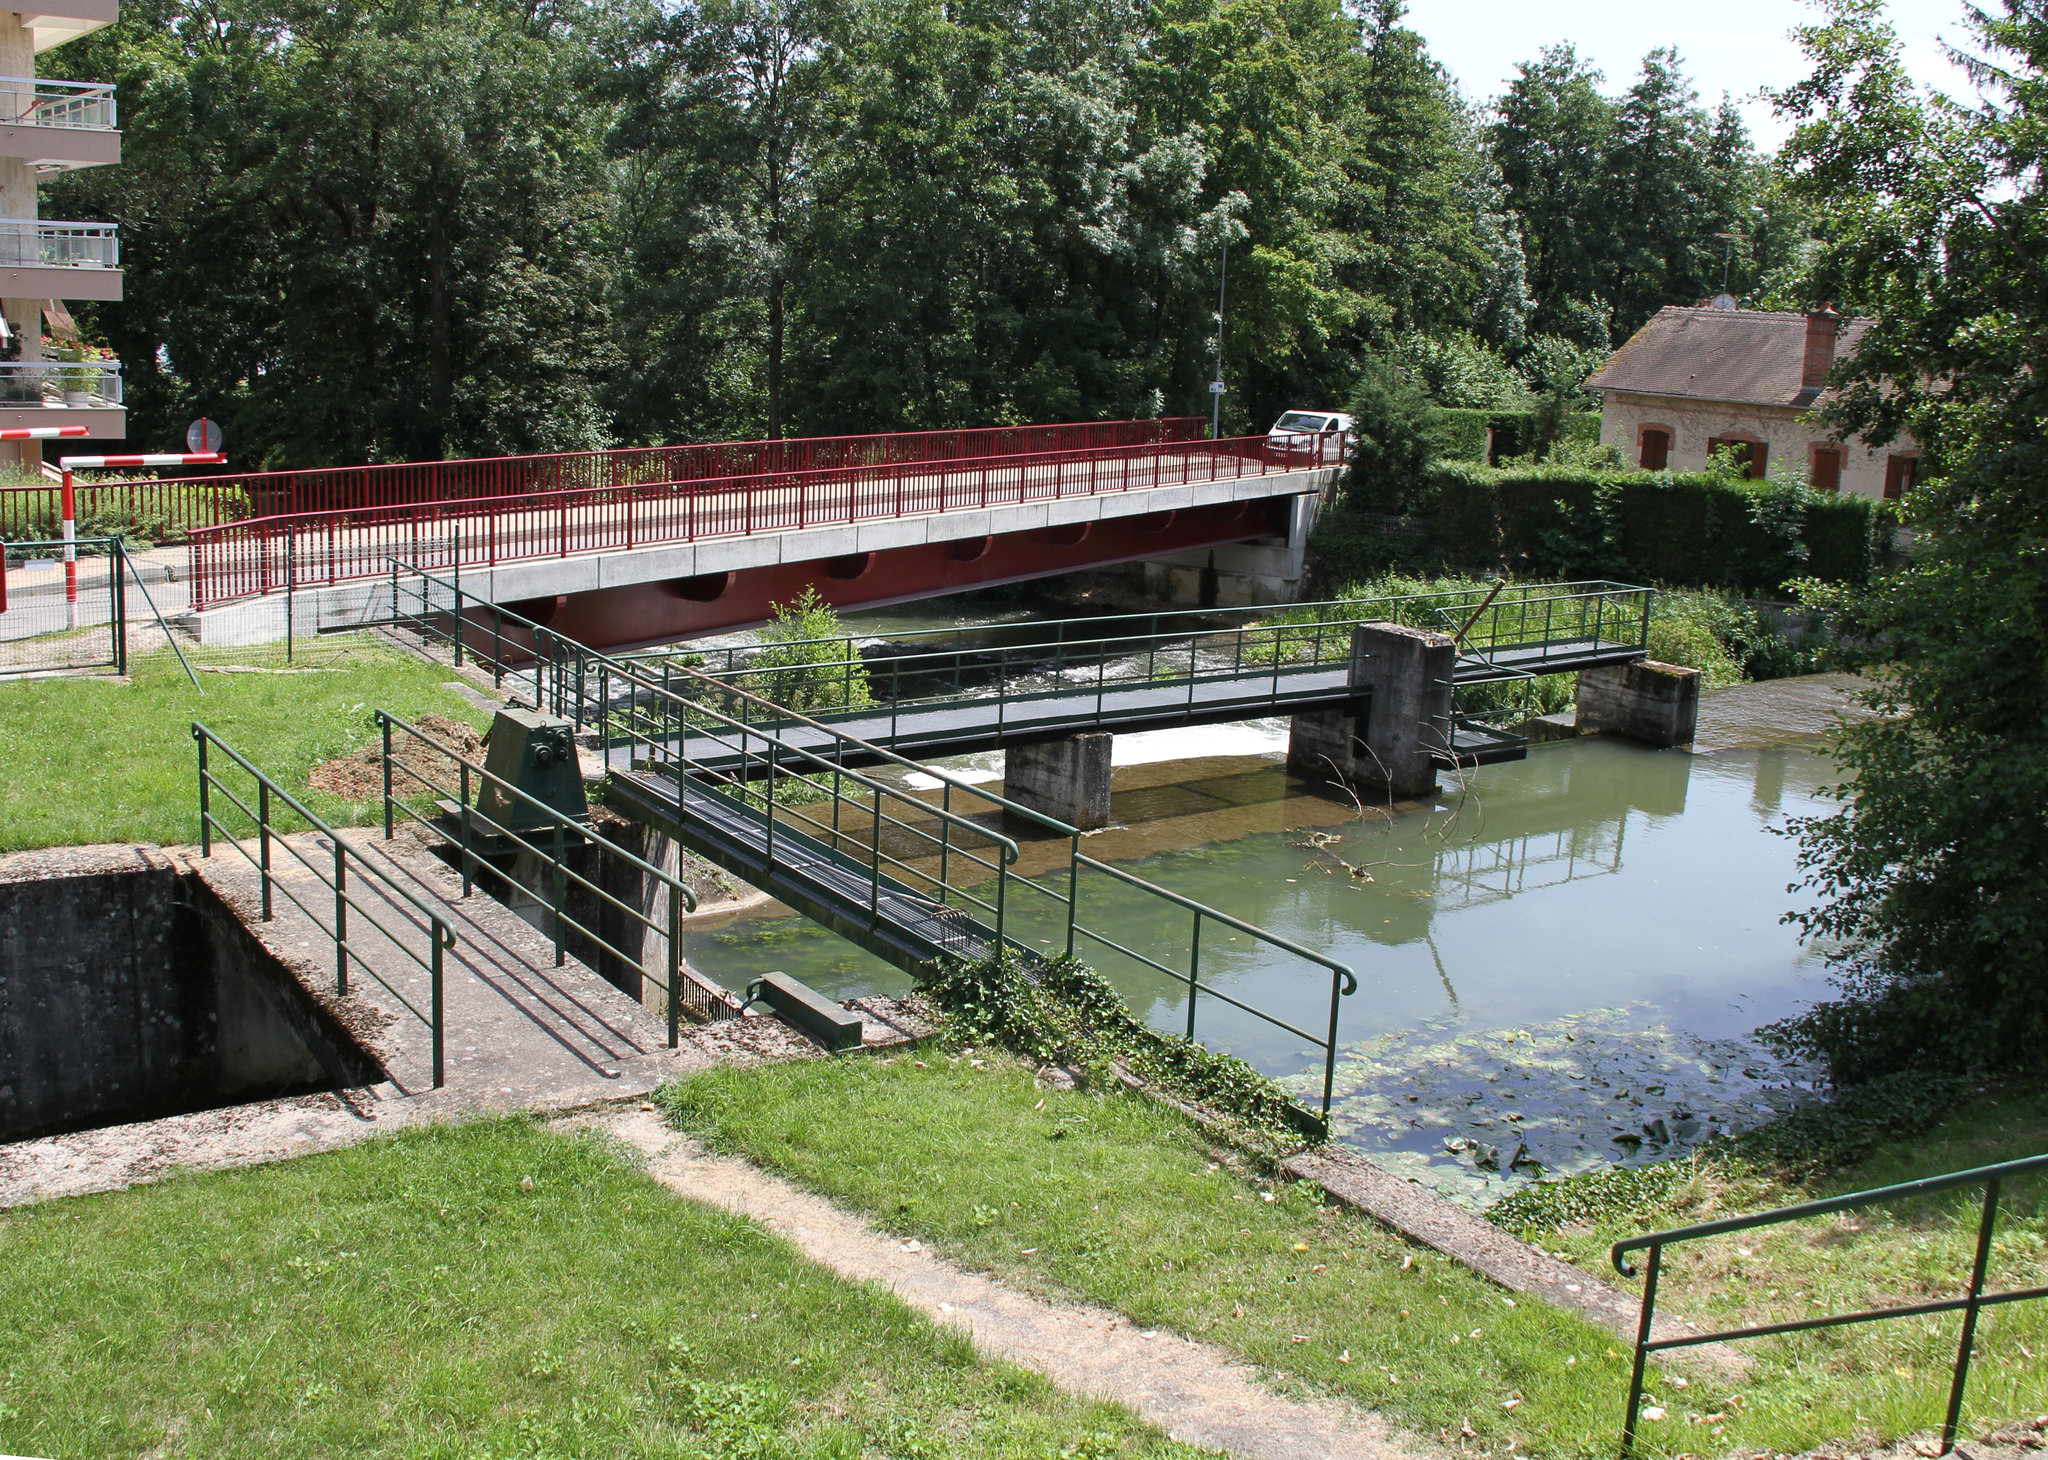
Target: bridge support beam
{"type": "Point", "coordinates": [1064, 779]}
{"type": "Point", "coordinates": [1658, 704]}
{"type": "Point", "coordinates": [1388, 739]}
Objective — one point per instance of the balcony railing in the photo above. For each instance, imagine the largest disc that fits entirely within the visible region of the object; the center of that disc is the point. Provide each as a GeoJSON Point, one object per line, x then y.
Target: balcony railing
{"type": "Point", "coordinates": [43, 243]}
{"type": "Point", "coordinates": [84, 105]}
{"type": "Point", "coordinates": [60, 383]}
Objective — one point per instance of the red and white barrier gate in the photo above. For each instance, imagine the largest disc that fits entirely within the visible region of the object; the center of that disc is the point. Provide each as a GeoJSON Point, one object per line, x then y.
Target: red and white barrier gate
{"type": "Point", "coordinates": [72, 464]}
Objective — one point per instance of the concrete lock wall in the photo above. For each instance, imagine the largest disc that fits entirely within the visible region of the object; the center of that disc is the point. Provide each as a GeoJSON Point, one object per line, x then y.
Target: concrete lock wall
{"type": "Point", "coordinates": [128, 991]}
{"type": "Point", "coordinates": [1388, 738]}
{"type": "Point", "coordinates": [1066, 779]}
{"type": "Point", "coordinates": [1658, 704]}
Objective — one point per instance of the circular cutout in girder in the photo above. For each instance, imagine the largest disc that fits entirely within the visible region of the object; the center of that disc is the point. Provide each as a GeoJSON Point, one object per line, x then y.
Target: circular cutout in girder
{"type": "Point", "coordinates": [1153, 523]}
{"type": "Point", "coordinates": [1070, 534]}
{"type": "Point", "coordinates": [971, 549]}
{"type": "Point", "coordinates": [704, 588]}
{"type": "Point", "coordinates": [849, 567]}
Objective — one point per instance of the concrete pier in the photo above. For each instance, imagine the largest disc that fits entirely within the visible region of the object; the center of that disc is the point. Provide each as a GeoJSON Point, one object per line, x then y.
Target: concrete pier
{"type": "Point", "coordinates": [1398, 722]}
{"type": "Point", "coordinates": [1658, 704]}
{"type": "Point", "coordinates": [1065, 779]}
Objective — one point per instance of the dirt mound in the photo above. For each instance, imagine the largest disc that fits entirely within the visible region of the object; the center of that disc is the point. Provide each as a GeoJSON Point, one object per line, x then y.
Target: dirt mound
{"type": "Point", "coordinates": [359, 776]}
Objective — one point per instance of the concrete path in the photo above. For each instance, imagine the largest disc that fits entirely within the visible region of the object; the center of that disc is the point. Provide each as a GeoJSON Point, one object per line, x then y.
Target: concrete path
{"type": "Point", "coordinates": [1197, 1393]}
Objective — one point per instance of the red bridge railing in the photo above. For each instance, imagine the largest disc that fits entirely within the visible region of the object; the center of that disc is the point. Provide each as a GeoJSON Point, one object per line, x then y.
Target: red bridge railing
{"type": "Point", "coordinates": [261, 555]}
{"type": "Point", "coordinates": [173, 507]}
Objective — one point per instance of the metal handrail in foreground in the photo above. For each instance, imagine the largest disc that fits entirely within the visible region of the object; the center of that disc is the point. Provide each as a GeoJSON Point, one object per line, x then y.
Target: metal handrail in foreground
{"type": "Point", "coordinates": [1343, 981]}
{"type": "Point", "coordinates": [1973, 1301]}
{"type": "Point", "coordinates": [704, 1001]}
{"type": "Point", "coordinates": [441, 936]}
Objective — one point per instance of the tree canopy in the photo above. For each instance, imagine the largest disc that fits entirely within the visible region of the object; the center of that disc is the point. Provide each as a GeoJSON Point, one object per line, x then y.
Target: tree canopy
{"type": "Point", "coordinates": [387, 228]}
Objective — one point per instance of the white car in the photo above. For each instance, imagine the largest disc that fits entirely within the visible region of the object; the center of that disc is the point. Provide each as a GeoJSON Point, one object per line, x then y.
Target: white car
{"type": "Point", "coordinates": [1310, 438]}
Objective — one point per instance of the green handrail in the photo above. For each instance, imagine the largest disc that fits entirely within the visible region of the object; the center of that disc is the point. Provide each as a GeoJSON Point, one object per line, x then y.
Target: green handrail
{"type": "Point", "coordinates": [441, 935]}
{"type": "Point", "coordinates": [1970, 1304]}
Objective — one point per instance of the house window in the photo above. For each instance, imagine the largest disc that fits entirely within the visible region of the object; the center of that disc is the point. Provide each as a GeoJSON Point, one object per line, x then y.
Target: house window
{"type": "Point", "coordinates": [1900, 473]}
{"type": "Point", "coordinates": [1827, 469]}
{"type": "Point", "coordinates": [1654, 448]}
{"type": "Point", "coordinates": [1749, 455]}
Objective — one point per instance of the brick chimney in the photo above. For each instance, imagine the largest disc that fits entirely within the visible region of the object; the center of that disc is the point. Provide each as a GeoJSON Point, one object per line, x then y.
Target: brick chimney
{"type": "Point", "coordinates": [1821, 328]}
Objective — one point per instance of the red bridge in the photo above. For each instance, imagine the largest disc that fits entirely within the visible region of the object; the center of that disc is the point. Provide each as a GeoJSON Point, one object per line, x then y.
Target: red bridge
{"type": "Point", "coordinates": [656, 544]}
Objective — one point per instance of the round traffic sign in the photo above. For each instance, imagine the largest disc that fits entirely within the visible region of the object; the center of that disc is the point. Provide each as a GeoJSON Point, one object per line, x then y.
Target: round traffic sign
{"type": "Point", "coordinates": [203, 435]}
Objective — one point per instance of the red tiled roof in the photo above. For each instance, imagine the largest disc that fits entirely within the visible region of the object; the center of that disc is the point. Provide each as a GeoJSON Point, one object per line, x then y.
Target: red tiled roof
{"type": "Point", "coordinates": [1742, 356]}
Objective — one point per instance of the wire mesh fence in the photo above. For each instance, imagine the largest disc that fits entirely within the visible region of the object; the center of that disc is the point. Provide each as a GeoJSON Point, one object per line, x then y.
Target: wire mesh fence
{"type": "Point", "coordinates": [55, 616]}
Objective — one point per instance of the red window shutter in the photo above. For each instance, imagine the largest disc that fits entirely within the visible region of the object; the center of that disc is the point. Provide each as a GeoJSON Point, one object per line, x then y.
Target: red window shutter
{"type": "Point", "coordinates": [1899, 472]}
{"type": "Point", "coordinates": [1656, 453]}
{"type": "Point", "coordinates": [1759, 457]}
{"type": "Point", "coordinates": [1827, 469]}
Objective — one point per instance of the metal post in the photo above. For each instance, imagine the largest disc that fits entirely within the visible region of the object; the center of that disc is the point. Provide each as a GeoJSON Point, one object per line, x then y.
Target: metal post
{"type": "Point", "coordinates": [675, 965]}
{"type": "Point", "coordinates": [768, 800]}
{"type": "Point", "coordinates": [1330, 1048]}
{"type": "Point", "coordinates": [561, 900]}
{"type": "Point", "coordinates": [205, 799]}
{"type": "Point", "coordinates": [945, 833]}
{"type": "Point", "coordinates": [1194, 973]}
{"type": "Point", "coordinates": [118, 568]}
{"type": "Point", "coordinates": [291, 588]}
{"type": "Point", "coordinates": [69, 505]}
{"type": "Point", "coordinates": [385, 720]}
{"type": "Point", "coordinates": [1073, 888]}
{"type": "Point", "coordinates": [1985, 1225]}
{"type": "Point", "coordinates": [497, 646]}
{"type": "Point", "coordinates": [875, 859]}
{"type": "Point", "coordinates": [467, 855]}
{"type": "Point", "coordinates": [263, 841]}
{"type": "Point", "coordinates": [1643, 1325]}
{"type": "Point", "coordinates": [441, 938]}
{"type": "Point", "coordinates": [458, 594]}
{"type": "Point", "coordinates": [340, 916]}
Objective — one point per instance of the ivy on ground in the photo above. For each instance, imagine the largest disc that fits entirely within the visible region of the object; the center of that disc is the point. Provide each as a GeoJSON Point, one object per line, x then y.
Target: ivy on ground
{"type": "Point", "coordinates": [1062, 1012]}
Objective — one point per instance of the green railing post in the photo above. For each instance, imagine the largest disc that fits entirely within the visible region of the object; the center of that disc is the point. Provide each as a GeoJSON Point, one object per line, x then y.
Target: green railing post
{"type": "Point", "coordinates": [497, 646]}
{"type": "Point", "coordinates": [385, 722]}
{"type": "Point", "coordinates": [263, 841]}
{"type": "Point", "coordinates": [442, 936]}
{"type": "Point", "coordinates": [1643, 1326]}
{"type": "Point", "coordinates": [1985, 1224]}
{"type": "Point", "coordinates": [945, 836]}
{"type": "Point", "coordinates": [675, 965]}
{"type": "Point", "coordinates": [117, 568]}
{"type": "Point", "coordinates": [875, 858]}
{"type": "Point", "coordinates": [1002, 886]}
{"type": "Point", "coordinates": [1073, 888]}
{"type": "Point", "coordinates": [1330, 1046]}
{"type": "Point", "coordinates": [340, 915]}
{"type": "Point", "coordinates": [205, 797]}
{"type": "Point", "coordinates": [468, 872]}
{"type": "Point", "coordinates": [561, 901]}
{"type": "Point", "coordinates": [1194, 973]}
{"type": "Point", "coordinates": [768, 799]}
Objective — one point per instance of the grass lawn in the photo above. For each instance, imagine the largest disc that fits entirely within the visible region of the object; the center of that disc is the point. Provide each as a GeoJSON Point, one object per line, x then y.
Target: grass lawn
{"type": "Point", "coordinates": [415, 1297]}
{"type": "Point", "coordinates": [96, 760]}
{"type": "Point", "coordinates": [1112, 1199]}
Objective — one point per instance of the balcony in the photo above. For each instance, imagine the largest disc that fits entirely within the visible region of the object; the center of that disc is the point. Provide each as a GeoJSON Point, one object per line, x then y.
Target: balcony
{"type": "Point", "coordinates": [54, 22]}
{"type": "Point", "coordinates": [61, 393]}
{"type": "Point", "coordinates": [46, 259]}
{"type": "Point", "coordinates": [54, 126]}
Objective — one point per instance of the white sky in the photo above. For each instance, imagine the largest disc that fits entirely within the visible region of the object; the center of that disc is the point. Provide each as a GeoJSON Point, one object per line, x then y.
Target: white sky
{"type": "Point", "coordinates": [1734, 46]}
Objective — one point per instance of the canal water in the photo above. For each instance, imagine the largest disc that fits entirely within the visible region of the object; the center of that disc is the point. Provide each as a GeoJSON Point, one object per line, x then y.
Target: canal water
{"type": "Point", "coordinates": [1561, 963]}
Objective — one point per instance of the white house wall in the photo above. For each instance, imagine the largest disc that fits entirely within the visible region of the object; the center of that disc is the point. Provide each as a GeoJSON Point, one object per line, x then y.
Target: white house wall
{"type": "Point", "coordinates": [1788, 438]}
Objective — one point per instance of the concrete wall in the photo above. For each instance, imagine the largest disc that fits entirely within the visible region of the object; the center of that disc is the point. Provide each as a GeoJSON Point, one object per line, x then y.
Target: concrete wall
{"type": "Point", "coordinates": [1390, 738]}
{"type": "Point", "coordinates": [128, 991]}
{"type": "Point", "coordinates": [1240, 574]}
{"type": "Point", "coordinates": [1789, 437]}
{"type": "Point", "coordinates": [1066, 779]}
{"type": "Point", "coordinates": [1658, 704]}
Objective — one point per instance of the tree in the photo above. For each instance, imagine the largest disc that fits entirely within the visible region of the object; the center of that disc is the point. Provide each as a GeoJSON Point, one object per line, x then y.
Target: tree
{"type": "Point", "coordinates": [1551, 140]}
{"type": "Point", "coordinates": [359, 232]}
{"type": "Point", "coordinates": [1933, 872]}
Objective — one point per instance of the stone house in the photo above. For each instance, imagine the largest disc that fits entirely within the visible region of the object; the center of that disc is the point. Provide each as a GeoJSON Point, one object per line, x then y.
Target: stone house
{"type": "Point", "coordinates": [1693, 379]}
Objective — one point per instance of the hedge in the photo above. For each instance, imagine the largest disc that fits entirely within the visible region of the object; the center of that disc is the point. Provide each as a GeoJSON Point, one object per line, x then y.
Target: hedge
{"type": "Point", "coordinates": [1650, 527]}
{"type": "Point", "coordinates": [1460, 435]}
